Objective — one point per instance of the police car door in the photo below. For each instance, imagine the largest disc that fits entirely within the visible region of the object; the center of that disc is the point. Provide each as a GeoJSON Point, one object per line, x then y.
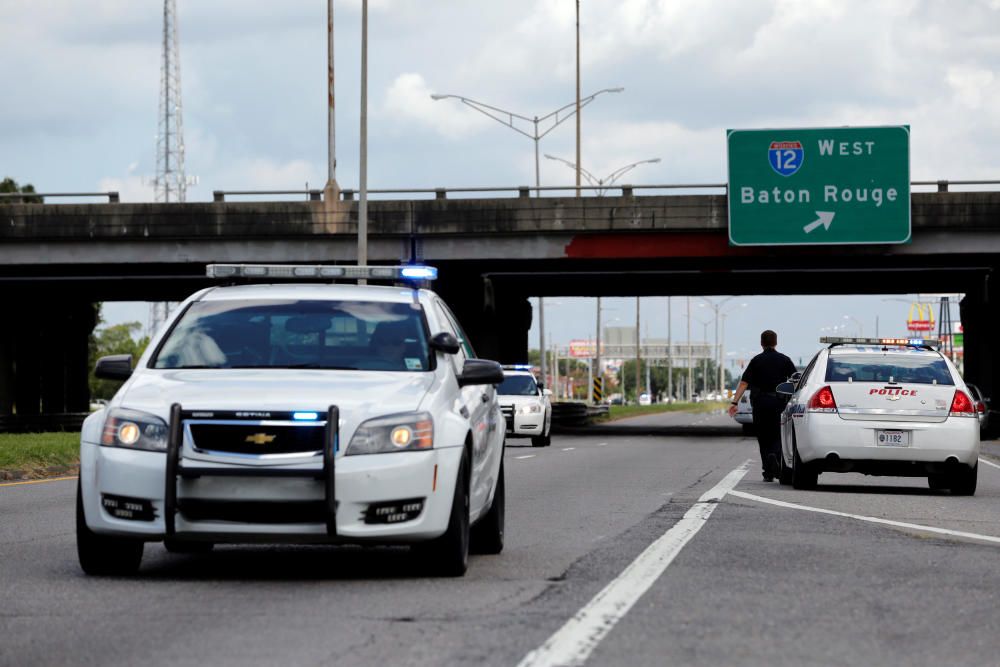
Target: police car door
{"type": "Point", "coordinates": [480, 401]}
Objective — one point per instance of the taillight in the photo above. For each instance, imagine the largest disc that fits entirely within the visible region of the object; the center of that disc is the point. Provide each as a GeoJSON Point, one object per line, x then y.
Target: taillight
{"type": "Point", "coordinates": [822, 401]}
{"type": "Point", "coordinates": [961, 405]}
{"type": "Point", "coordinates": [980, 407]}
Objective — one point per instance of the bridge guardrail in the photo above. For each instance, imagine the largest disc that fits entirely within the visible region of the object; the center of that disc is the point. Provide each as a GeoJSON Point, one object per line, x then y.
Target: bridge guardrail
{"type": "Point", "coordinates": [522, 191]}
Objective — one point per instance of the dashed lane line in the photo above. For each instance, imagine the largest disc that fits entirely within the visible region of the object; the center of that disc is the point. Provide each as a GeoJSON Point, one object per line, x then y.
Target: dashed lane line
{"type": "Point", "coordinates": [526, 456]}
{"type": "Point", "coordinates": [568, 449]}
{"type": "Point", "coordinates": [39, 481]}
{"type": "Point", "coordinates": [870, 519]}
{"type": "Point", "coordinates": [577, 639]}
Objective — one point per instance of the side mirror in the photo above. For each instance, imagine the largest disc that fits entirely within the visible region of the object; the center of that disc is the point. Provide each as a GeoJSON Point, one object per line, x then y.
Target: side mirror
{"type": "Point", "coordinates": [480, 371]}
{"type": "Point", "coordinates": [114, 367]}
{"type": "Point", "coordinates": [444, 342]}
{"type": "Point", "coordinates": [796, 376]}
{"type": "Point", "coordinates": [546, 392]}
{"type": "Point", "coordinates": [785, 389]}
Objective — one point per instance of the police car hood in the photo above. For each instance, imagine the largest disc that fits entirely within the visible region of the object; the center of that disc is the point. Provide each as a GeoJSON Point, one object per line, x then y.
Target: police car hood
{"type": "Point", "coordinates": [359, 394]}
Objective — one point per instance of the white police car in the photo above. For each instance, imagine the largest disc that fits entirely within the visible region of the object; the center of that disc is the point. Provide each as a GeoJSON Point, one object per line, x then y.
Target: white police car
{"type": "Point", "coordinates": [526, 406]}
{"type": "Point", "coordinates": [300, 413]}
{"type": "Point", "coordinates": [880, 406]}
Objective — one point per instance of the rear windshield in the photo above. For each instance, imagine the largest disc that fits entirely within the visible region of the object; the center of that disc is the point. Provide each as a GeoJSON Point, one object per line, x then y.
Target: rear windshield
{"type": "Point", "coordinates": [518, 385]}
{"type": "Point", "coordinates": [355, 335]}
{"type": "Point", "coordinates": [890, 367]}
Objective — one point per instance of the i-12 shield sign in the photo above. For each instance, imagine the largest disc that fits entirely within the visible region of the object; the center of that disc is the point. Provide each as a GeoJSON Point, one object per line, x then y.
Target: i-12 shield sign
{"type": "Point", "coordinates": [785, 157]}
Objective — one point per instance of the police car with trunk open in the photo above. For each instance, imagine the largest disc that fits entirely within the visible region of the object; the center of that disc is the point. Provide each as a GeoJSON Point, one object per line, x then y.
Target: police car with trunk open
{"type": "Point", "coordinates": [880, 406]}
{"type": "Point", "coordinates": [300, 413]}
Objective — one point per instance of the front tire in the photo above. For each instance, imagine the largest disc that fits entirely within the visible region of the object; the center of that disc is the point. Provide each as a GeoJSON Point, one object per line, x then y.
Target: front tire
{"type": "Point", "coordinates": [448, 555]}
{"type": "Point", "coordinates": [784, 472]}
{"type": "Point", "coordinates": [101, 555]}
{"type": "Point", "coordinates": [541, 440]}
{"type": "Point", "coordinates": [487, 535]}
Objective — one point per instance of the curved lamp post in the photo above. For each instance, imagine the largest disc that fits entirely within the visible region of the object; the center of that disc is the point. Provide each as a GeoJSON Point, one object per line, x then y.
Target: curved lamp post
{"type": "Point", "coordinates": [603, 183]}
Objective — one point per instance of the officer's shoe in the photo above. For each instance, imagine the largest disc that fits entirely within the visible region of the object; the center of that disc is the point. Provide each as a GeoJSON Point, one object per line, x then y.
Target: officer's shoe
{"type": "Point", "coordinates": [768, 477]}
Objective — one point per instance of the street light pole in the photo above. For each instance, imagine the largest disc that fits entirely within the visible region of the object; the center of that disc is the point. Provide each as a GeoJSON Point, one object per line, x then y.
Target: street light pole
{"type": "Point", "coordinates": [509, 118]}
{"type": "Point", "coordinates": [638, 351]}
{"type": "Point", "coordinates": [331, 157]}
{"type": "Point", "coordinates": [670, 354]}
{"type": "Point", "coordinates": [609, 180]}
{"type": "Point", "coordinates": [363, 199]}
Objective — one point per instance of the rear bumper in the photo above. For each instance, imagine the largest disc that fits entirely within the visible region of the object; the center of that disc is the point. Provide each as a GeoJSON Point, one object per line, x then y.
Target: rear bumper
{"type": "Point", "coordinates": [361, 482]}
{"type": "Point", "coordinates": [834, 444]}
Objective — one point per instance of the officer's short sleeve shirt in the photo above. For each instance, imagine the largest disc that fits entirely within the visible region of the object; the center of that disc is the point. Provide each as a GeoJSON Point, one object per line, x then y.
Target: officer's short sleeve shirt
{"type": "Point", "coordinates": [767, 370]}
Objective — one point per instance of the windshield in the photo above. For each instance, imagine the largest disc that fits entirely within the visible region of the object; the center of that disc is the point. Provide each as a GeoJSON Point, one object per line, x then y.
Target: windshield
{"type": "Point", "coordinates": [356, 335]}
{"type": "Point", "coordinates": [518, 385]}
{"type": "Point", "coordinates": [894, 367]}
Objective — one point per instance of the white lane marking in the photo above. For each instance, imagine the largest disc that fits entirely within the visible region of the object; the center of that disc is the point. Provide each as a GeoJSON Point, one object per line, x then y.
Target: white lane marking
{"type": "Point", "coordinates": [602, 444]}
{"type": "Point", "coordinates": [576, 640]}
{"type": "Point", "coordinates": [568, 449]}
{"type": "Point", "coordinates": [989, 463]}
{"type": "Point", "coordinates": [869, 519]}
{"type": "Point", "coordinates": [526, 456]}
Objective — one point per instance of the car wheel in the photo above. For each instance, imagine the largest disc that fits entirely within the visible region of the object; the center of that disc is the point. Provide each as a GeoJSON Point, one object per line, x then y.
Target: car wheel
{"type": "Point", "coordinates": [487, 535]}
{"type": "Point", "coordinates": [448, 555]}
{"type": "Point", "coordinates": [182, 547]}
{"type": "Point", "coordinates": [804, 477]}
{"type": "Point", "coordinates": [937, 482]}
{"type": "Point", "coordinates": [541, 440]}
{"type": "Point", "coordinates": [102, 555]}
{"type": "Point", "coordinates": [962, 482]}
{"type": "Point", "coordinates": [784, 472]}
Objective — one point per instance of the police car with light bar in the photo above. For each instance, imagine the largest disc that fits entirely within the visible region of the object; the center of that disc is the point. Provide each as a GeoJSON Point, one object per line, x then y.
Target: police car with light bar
{"type": "Point", "coordinates": [297, 413]}
{"type": "Point", "coordinates": [880, 406]}
{"type": "Point", "coordinates": [526, 406]}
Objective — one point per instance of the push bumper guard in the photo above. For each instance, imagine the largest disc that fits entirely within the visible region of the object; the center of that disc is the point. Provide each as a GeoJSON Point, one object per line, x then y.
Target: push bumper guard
{"type": "Point", "coordinates": [175, 469]}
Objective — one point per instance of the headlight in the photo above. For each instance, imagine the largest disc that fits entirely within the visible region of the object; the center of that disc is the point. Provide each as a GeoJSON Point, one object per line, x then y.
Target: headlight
{"type": "Point", "coordinates": [529, 409]}
{"type": "Point", "coordinates": [395, 433]}
{"type": "Point", "coordinates": [132, 429]}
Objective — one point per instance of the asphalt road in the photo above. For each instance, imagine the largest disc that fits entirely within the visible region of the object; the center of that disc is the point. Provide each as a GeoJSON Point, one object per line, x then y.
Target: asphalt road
{"type": "Point", "coordinates": [747, 582]}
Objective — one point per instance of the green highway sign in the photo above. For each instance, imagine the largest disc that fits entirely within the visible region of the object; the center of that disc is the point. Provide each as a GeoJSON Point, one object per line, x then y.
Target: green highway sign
{"type": "Point", "coordinates": [842, 185]}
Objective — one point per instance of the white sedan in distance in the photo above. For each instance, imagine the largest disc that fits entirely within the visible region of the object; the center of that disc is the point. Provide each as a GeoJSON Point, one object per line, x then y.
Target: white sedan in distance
{"type": "Point", "coordinates": [880, 406]}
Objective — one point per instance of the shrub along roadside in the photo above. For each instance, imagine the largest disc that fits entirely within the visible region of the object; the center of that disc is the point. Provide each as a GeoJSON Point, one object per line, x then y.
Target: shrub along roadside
{"type": "Point", "coordinates": [28, 451]}
{"type": "Point", "coordinates": [622, 411]}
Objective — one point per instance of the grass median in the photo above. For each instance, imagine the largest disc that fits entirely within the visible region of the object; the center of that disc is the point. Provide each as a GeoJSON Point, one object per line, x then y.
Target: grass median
{"type": "Point", "coordinates": [29, 451]}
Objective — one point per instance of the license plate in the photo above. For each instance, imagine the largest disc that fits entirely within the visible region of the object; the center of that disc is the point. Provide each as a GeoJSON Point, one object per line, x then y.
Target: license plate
{"type": "Point", "coordinates": [892, 438]}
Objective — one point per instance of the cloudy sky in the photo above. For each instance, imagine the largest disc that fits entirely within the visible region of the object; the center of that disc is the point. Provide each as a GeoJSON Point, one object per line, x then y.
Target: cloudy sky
{"type": "Point", "coordinates": [80, 98]}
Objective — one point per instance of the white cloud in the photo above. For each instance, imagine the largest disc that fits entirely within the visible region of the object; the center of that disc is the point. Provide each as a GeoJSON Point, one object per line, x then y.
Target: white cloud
{"type": "Point", "coordinates": [409, 97]}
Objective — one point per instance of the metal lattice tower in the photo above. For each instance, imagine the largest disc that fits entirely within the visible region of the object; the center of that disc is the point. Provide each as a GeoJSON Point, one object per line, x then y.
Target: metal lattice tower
{"type": "Point", "coordinates": [170, 183]}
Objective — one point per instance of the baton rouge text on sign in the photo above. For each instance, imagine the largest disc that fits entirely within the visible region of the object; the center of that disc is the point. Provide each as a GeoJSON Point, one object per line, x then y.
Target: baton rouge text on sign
{"type": "Point", "coordinates": [819, 186]}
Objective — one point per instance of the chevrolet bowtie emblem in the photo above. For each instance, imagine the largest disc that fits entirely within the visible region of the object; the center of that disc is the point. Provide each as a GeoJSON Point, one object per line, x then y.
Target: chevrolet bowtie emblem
{"type": "Point", "coordinates": [260, 438]}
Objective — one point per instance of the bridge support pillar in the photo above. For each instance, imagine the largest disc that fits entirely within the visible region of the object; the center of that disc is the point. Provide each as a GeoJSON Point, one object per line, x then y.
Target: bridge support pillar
{"type": "Point", "coordinates": [496, 321]}
{"type": "Point", "coordinates": [44, 362]}
{"type": "Point", "coordinates": [980, 319]}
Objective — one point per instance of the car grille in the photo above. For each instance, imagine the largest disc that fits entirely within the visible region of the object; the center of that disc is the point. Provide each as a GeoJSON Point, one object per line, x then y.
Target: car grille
{"type": "Point", "coordinates": [255, 438]}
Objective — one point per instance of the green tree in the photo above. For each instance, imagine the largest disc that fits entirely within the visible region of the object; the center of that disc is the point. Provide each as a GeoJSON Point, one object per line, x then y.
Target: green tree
{"type": "Point", "coordinates": [8, 185]}
{"type": "Point", "coordinates": [117, 339]}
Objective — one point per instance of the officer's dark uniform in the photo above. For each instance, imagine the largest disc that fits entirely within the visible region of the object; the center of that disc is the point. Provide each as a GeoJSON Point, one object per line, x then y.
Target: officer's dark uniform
{"type": "Point", "coordinates": [765, 372]}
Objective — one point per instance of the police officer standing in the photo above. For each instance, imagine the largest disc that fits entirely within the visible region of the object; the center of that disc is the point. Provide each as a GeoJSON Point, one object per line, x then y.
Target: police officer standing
{"type": "Point", "coordinates": [765, 372]}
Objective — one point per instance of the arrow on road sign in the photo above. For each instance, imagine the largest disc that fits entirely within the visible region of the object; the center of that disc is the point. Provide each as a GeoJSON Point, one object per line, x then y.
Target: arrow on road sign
{"type": "Point", "coordinates": [825, 218]}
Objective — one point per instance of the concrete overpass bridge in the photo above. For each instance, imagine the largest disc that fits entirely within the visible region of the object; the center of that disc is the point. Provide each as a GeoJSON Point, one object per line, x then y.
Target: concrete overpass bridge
{"type": "Point", "coordinates": [56, 260]}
